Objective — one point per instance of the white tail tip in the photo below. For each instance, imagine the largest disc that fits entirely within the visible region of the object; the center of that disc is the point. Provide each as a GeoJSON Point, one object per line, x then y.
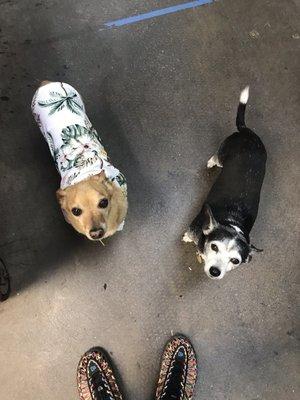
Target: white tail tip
{"type": "Point", "coordinates": [244, 95]}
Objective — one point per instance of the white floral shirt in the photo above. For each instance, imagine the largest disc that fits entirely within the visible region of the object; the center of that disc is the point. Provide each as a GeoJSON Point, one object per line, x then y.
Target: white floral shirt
{"type": "Point", "coordinates": [74, 144]}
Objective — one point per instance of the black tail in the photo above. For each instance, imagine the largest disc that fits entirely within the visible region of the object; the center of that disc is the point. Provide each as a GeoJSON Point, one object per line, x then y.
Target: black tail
{"type": "Point", "coordinates": [240, 118]}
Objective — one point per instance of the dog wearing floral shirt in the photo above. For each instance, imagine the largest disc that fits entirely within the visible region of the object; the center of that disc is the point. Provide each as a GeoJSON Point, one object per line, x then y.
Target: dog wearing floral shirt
{"type": "Point", "coordinates": [93, 193]}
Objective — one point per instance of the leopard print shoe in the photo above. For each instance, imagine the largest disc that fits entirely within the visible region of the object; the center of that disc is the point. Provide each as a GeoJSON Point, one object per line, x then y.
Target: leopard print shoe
{"type": "Point", "coordinates": [95, 377]}
{"type": "Point", "coordinates": [178, 372]}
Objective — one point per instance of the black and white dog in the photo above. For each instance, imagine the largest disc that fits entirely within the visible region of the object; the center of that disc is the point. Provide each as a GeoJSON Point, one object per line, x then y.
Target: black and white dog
{"type": "Point", "coordinates": [221, 229]}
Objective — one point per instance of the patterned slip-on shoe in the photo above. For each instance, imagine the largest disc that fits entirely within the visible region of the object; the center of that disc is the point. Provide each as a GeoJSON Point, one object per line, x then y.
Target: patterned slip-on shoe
{"type": "Point", "coordinates": [95, 377]}
{"type": "Point", "coordinates": [178, 372]}
{"type": "Point", "coordinates": [4, 282]}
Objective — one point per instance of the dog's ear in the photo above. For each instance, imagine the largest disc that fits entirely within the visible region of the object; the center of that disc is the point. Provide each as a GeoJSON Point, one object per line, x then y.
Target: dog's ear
{"type": "Point", "coordinates": [118, 206]}
{"type": "Point", "coordinates": [99, 177]}
{"type": "Point", "coordinates": [61, 198]}
{"type": "Point", "coordinates": [60, 195]}
{"type": "Point", "coordinates": [253, 248]}
{"type": "Point", "coordinates": [209, 223]}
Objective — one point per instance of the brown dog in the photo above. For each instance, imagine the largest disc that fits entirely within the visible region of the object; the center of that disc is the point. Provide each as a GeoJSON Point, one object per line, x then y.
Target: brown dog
{"type": "Point", "coordinates": [93, 193]}
{"type": "Point", "coordinates": [95, 207]}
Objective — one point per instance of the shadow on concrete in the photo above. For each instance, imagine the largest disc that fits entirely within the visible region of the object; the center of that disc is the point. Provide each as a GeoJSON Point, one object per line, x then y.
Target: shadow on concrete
{"type": "Point", "coordinates": [34, 239]}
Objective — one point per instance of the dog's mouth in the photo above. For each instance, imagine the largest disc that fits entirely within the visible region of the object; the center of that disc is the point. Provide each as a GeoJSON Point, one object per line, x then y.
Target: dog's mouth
{"type": "Point", "coordinates": [99, 239]}
{"type": "Point", "coordinates": [97, 233]}
{"type": "Point", "coordinates": [95, 238]}
{"type": "Point", "coordinates": [214, 277]}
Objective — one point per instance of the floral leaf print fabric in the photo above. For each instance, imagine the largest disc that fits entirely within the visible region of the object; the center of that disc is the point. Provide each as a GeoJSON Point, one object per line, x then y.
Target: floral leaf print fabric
{"type": "Point", "coordinates": [81, 148]}
{"type": "Point", "coordinates": [74, 144]}
{"type": "Point", "coordinates": [58, 101]}
{"type": "Point", "coordinates": [50, 141]}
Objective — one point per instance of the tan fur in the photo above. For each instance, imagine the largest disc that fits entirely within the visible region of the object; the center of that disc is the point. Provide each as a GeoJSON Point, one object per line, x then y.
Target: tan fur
{"type": "Point", "coordinates": [44, 83]}
{"type": "Point", "coordinates": [86, 195]}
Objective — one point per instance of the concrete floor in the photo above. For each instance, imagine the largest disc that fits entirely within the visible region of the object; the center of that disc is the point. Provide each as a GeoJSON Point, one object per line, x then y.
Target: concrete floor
{"type": "Point", "coordinates": [164, 94]}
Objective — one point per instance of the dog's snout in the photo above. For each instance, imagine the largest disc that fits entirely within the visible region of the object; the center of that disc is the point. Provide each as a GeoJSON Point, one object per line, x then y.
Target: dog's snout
{"type": "Point", "coordinates": [214, 271]}
{"type": "Point", "coordinates": [96, 233]}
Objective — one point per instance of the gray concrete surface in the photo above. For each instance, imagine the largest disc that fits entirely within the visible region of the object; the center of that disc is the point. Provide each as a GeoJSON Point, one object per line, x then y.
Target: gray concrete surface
{"type": "Point", "coordinates": [163, 93]}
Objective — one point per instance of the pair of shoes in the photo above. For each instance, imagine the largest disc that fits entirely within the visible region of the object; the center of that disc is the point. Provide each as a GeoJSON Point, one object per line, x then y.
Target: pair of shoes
{"type": "Point", "coordinates": [177, 377]}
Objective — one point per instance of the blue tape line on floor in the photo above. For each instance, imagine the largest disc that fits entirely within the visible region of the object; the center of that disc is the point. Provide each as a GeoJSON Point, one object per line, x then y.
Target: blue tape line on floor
{"type": "Point", "coordinates": [156, 13]}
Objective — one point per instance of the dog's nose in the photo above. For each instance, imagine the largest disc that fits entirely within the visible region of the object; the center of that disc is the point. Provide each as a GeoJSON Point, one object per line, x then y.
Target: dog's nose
{"type": "Point", "coordinates": [97, 233]}
{"type": "Point", "coordinates": [214, 271]}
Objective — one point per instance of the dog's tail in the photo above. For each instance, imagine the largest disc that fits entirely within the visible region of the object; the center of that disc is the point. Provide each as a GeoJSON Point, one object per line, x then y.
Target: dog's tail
{"type": "Point", "coordinates": [240, 118]}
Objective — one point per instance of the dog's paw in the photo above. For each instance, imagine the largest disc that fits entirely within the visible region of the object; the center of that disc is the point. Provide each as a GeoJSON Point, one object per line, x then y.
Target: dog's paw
{"type": "Point", "coordinates": [187, 237]}
{"type": "Point", "coordinates": [213, 161]}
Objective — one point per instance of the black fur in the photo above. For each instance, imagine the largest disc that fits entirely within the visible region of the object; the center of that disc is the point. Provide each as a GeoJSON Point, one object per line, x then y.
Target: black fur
{"type": "Point", "coordinates": [240, 116]}
{"type": "Point", "coordinates": [234, 197]}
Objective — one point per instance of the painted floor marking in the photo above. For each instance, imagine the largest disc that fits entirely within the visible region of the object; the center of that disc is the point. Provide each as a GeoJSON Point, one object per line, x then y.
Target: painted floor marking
{"type": "Point", "coordinates": [156, 13]}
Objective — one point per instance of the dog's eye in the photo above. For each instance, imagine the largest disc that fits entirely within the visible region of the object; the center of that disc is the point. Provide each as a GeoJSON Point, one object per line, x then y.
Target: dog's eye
{"type": "Point", "coordinates": [76, 211]}
{"type": "Point", "coordinates": [103, 203]}
{"type": "Point", "coordinates": [235, 261]}
{"type": "Point", "coordinates": [214, 247]}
